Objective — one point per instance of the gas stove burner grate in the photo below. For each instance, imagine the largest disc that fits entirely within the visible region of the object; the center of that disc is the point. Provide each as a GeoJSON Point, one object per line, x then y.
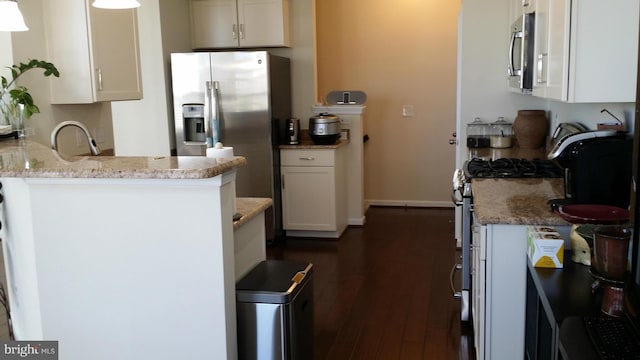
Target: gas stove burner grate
{"type": "Point", "coordinates": [513, 168]}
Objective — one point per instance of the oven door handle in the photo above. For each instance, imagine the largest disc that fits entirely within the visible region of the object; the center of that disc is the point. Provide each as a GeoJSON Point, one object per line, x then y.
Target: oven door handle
{"type": "Point", "coordinates": [456, 201]}
{"type": "Point", "coordinates": [455, 293]}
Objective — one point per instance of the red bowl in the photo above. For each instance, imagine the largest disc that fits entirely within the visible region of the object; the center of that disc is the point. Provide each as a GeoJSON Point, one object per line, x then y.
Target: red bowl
{"type": "Point", "coordinates": [593, 214]}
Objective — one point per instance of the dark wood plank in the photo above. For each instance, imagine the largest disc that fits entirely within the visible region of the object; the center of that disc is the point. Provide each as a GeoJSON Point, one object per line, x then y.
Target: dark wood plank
{"type": "Point", "coordinates": [382, 291]}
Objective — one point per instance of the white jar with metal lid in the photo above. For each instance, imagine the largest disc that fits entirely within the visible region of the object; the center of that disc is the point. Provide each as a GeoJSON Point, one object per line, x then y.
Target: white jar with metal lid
{"type": "Point", "coordinates": [501, 134]}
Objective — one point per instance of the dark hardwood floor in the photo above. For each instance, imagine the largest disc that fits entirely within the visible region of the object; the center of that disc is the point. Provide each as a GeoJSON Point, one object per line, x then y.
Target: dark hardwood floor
{"type": "Point", "coordinates": [382, 291]}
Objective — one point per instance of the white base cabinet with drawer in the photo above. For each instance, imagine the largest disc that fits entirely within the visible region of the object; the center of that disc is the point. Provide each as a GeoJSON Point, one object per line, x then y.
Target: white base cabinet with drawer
{"type": "Point", "coordinates": [314, 192]}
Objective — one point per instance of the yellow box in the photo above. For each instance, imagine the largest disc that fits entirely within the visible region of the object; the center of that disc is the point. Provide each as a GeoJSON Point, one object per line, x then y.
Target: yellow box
{"type": "Point", "coordinates": [545, 247]}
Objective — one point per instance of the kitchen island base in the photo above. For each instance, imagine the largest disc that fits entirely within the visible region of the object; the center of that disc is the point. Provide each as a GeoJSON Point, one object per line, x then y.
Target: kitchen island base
{"type": "Point", "coordinates": [122, 268]}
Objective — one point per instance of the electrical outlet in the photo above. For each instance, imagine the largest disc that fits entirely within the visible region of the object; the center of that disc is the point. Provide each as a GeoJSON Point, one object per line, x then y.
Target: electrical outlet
{"type": "Point", "coordinates": [407, 110]}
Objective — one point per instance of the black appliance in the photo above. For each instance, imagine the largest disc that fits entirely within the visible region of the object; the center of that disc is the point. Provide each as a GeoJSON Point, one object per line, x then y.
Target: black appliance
{"type": "Point", "coordinates": [597, 170]}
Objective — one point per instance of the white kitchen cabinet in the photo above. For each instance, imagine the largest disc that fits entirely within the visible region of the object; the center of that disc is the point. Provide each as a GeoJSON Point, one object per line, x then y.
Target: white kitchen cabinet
{"type": "Point", "coordinates": [239, 23]}
{"type": "Point", "coordinates": [499, 286]}
{"type": "Point", "coordinates": [314, 192]}
{"type": "Point", "coordinates": [586, 51]}
{"type": "Point", "coordinates": [99, 285]}
{"type": "Point", "coordinates": [96, 51]}
{"type": "Point", "coordinates": [352, 120]}
{"type": "Point", "coordinates": [499, 267]}
{"type": "Point", "coordinates": [478, 288]}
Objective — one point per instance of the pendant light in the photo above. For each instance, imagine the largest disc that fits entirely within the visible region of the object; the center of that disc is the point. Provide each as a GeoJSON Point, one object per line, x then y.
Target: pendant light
{"type": "Point", "coordinates": [116, 4]}
{"type": "Point", "coordinates": [10, 17]}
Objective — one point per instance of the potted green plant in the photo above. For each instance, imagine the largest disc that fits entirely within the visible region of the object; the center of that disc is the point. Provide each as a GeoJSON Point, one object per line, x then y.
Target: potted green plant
{"type": "Point", "coordinates": [16, 103]}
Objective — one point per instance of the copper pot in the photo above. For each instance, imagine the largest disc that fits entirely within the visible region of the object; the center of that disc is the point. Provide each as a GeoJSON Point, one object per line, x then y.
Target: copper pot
{"type": "Point", "coordinates": [611, 251]}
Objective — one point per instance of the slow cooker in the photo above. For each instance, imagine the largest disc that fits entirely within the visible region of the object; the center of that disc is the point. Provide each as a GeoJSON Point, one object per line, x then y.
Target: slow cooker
{"type": "Point", "coordinates": [324, 129]}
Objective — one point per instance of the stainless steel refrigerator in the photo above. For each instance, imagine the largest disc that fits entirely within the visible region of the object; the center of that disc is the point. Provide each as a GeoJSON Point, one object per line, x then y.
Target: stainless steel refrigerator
{"type": "Point", "coordinates": [241, 99]}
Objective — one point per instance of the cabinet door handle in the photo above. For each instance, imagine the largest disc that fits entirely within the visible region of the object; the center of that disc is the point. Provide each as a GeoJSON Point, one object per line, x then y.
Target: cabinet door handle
{"type": "Point", "coordinates": [456, 294]}
{"type": "Point", "coordinates": [541, 78]}
{"type": "Point", "coordinates": [282, 181]}
{"type": "Point", "coordinates": [241, 31]}
{"type": "Point", "coordinates": [99, 71]}
{"type": "Point", "coordinates": [308, 158]}
{"type": "Point", "coordinates": [233, 31]}
{"type": "Point", "coordinates": [511, 69]}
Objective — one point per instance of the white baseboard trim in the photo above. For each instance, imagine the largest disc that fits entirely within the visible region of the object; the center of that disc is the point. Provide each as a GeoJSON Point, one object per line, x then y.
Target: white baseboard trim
{"type": "Point", "coordinates": [411, 203]}
{"type": "Point", "coordinates": [357, 221]}
{"type": "Point", "coordinates": [314, 234]}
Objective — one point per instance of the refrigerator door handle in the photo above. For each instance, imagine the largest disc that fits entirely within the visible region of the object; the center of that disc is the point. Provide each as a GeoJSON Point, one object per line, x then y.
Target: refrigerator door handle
{"type": "Point", "coordinates": [213, 110]}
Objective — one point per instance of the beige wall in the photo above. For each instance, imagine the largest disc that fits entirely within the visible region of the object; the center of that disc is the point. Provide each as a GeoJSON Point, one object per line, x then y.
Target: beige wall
{"type": "Point", "coordinates": [400, 53]}
{"type": "Point", "coordinates": [302, 56]}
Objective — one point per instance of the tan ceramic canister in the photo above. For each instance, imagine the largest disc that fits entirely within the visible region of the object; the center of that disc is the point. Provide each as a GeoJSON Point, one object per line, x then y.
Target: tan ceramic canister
{"type": "Point", "coordinates": [530, 128]}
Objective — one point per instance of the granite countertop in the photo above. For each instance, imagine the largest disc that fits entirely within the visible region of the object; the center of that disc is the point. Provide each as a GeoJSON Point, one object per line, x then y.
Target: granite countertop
{"type": "Point", "coordinates": [517, 201]}
{"type": "Point", "coordinates": [28, 159]}
{"type": "Point", "coordinates": [250, 208]}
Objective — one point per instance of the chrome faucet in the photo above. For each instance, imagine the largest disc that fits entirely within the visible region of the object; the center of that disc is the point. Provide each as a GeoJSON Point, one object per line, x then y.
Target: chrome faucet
{"type": "Point", "coordinates": [54, 135]}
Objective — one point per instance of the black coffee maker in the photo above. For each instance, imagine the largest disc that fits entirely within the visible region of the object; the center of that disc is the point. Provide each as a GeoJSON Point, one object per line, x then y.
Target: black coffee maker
{"type": "Point", "coordinates": [597, 167]}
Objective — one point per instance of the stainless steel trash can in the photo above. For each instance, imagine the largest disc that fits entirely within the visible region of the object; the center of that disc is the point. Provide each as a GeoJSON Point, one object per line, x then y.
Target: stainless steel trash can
{"type": "Point", "coordinates": [274, 303]}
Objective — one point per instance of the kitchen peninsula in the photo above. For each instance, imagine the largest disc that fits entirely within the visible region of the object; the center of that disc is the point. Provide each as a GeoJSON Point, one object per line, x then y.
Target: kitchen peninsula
{"type": "Point", "coordinates": [503, 208]}
{"type": "Point", "coordinates": [120, 257]}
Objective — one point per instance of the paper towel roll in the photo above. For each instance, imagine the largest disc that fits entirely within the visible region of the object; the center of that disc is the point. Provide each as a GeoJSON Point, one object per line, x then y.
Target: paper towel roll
{"type": "Point", "coordinates": [224, 152]}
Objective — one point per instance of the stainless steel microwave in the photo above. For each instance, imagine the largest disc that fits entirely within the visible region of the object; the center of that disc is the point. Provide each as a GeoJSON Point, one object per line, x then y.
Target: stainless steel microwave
{"type": "Point", "coordinates": [520, 68]}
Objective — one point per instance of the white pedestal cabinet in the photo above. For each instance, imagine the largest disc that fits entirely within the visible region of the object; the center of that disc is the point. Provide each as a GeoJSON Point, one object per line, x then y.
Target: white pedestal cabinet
{"type": "Point", "coordinates": [313, 192]}
{"type": "Point", "coordinates": [352, 119]}
{"type": "Point", "coordinates": [96, 51]}
{"type": "Point", "coordinates": [239, 23]}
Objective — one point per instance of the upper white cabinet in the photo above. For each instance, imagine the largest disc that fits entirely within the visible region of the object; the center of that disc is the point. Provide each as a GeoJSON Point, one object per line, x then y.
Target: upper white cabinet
{"type": "Point", "coordinates": [586, 51]}
{"type": "Point", "coordinates": [96, 51]}
{"type": "Point", "coordinates": [239, 23]}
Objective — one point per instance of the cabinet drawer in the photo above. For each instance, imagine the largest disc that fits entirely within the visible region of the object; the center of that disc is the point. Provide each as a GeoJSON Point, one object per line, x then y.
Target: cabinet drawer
{"type": "Point", "coordinates": [307, 157]}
